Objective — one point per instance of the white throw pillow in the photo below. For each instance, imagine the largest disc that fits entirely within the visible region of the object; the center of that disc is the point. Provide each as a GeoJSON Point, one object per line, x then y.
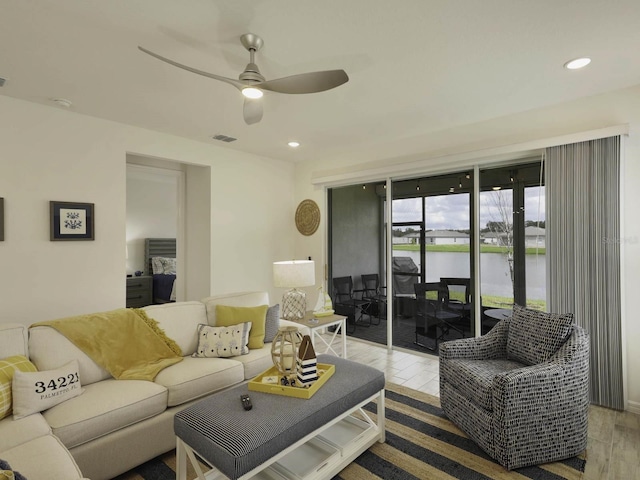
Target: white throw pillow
{"type": "Point", "coordinates": [228, 341]}
{"type": "Point", "coordinates": [37, 391]}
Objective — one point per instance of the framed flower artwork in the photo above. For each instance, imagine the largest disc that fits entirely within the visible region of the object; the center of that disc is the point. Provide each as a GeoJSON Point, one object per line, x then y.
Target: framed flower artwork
{"type": "Point", "coordinates": [71, 221]}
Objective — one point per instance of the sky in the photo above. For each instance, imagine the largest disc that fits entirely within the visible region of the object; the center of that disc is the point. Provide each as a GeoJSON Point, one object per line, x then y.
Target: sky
{"type": "Point", "coordinates": [451, 212]}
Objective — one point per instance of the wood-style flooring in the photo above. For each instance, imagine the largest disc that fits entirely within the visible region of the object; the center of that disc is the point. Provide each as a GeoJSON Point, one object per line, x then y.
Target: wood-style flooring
{"type": "Point", "coordinates": [613, 451]}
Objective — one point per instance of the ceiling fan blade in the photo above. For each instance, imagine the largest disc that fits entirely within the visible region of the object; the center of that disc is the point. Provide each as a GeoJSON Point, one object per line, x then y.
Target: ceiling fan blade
{"type": "Point", "coordinates": [312, 82]}
{"type": "Point", "coordinates": [239, 85]}
{"type": "Point", "coordinates": [252, 110]}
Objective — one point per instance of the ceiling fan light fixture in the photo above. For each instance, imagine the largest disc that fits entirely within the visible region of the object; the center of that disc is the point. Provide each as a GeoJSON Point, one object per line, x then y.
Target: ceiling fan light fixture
{"type": "Point", "coordinates": [252, 92]}
{"type": "Point", "coordinates": [577, 63]}
{"type": "Point", "coordinates": [294, 144]}
{"type": "Point", "coordinates": [252, 83]}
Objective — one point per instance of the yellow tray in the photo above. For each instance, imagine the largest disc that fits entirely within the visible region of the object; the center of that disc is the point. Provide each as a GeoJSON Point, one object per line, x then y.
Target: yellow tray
{"type": "Point", "coordinates": [256, 384]}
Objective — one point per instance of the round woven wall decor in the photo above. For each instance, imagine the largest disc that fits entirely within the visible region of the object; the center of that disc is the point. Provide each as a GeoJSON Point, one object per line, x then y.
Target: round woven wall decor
{"type": "Point", "coordinates": [307, 217]}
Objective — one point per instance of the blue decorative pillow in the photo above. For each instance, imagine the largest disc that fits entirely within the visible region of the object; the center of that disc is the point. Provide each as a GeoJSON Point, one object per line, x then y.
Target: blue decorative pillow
{"type": "Point", "coordinates": [6, 472]}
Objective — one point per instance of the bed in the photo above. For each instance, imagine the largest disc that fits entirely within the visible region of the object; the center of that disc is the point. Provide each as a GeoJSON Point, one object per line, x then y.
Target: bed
{"type": "Point", "coordinates": [160, 255]}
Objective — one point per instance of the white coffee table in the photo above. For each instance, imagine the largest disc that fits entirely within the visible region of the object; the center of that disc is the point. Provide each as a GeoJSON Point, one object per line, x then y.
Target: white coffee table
{"type": "Point", "coordinates": [318, 325]}
{"type": "Point", "coordinates": [284, 437]}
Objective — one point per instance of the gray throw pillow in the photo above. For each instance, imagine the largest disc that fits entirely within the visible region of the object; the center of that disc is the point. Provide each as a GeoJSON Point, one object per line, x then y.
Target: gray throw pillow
{"type": "Point", "coordinates": [272, 323]}
{"type": "Point", "coordinates": [535, 336]}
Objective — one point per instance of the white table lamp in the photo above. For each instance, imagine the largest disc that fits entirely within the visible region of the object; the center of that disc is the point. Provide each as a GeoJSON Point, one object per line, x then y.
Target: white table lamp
{"type": "Point", "coordinates": [292, 274]}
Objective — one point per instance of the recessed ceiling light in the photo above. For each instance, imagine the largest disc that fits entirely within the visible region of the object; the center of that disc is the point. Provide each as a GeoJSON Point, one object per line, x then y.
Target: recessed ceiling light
{"type": "Point", "coordinates": [577, 63]}
{"type": "Point", "coordinates": [293, 144]}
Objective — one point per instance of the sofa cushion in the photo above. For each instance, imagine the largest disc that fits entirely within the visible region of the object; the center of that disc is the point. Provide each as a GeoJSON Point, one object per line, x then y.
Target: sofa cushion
{"type": "Point", "coordinates": [241, 299]}
{"type": "Point", "coordinates": [535, 336]}
{"type": "Point", "coordinates": [8, 366]}
{"type": "Point", "coordinates": [180, 322]}
{"type": "Point", "coordinates": [105, 407]}
{"type": "Point", "coordinates": [49, 349]}
{"type": "Point", "coordinates": [231, 341]}
{"type": "Point", "coordinates": [13, 339]}
{"type": "Point", "coordinates": [256, 362]}
{"type": "Point", "coordinates": [15, 432]}
{"type": "Point", "coordinates": [34, 392]}
{"type": "Point", "coordinates": [474, 378]}
{"type": "Point", "coordinates": [196, 377]}
{"type": "Point", "coordinates": [43, 457]}
{"type": "Point", "coordinates": [227, 315]}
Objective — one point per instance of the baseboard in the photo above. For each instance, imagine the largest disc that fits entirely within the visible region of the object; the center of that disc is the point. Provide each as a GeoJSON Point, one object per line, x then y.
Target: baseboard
{"type": "Point", "coordinates": [634, 407]}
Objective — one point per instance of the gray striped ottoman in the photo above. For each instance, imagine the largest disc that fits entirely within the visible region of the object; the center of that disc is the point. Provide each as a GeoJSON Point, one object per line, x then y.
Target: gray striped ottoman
{"type": "Point", "coordinates": [236, 441]}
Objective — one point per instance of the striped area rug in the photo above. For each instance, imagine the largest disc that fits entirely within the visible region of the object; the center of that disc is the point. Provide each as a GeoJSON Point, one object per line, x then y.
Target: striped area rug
{"type": "Point", "coordinates": [420, 444]}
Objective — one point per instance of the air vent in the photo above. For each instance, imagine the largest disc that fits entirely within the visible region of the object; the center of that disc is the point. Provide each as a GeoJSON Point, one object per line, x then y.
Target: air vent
{"type": "Point", "coordinates": [223, 138]}
{"type": "Point", "coordinates": [2, 80]}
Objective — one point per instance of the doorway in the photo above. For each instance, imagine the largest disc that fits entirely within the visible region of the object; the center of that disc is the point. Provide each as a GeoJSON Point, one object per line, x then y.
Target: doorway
{"type": "Point", "coordinates": [167, 199]}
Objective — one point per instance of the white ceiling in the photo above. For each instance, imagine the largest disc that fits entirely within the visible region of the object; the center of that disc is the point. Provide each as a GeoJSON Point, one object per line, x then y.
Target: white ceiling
{"type": "Point", "coordinates": [416, 67]}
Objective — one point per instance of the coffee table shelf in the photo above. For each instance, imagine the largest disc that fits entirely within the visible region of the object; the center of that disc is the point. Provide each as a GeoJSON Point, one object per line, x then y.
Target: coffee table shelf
{"type": "Point", "coordinates": [308, 460]}
{"type": "Point", "coordinates": [346, 433]}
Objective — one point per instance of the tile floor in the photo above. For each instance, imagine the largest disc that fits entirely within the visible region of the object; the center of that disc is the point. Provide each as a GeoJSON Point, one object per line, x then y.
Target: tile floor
{"type": "Point", "coordinates": [613, 451]}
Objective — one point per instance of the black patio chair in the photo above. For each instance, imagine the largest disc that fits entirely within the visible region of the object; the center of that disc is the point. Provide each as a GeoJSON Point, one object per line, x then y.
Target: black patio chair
{"type": "Point", "coordinates": [375, 294]}
{"type": "Point", "coordinates": [432, 315]}
{"type": "Point", "coordinates": [345, 302]}
{"type": "Point", "coordinates": [460, 288]}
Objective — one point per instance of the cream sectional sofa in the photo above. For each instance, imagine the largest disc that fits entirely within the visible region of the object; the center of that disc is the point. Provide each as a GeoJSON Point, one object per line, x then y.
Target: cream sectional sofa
{"type": "Point", "coordinates": [115, 425]}
{"type": "Point", "coordinates": [28, 444]}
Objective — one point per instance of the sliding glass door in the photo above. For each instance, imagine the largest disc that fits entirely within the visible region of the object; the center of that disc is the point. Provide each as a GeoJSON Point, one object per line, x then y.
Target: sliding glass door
{"type": "Point", "coordinates": [512, 240]}
{"type": "Point", "coordinates": [357, 258]}
{"type": "Point", "coordinates": [433, 244]}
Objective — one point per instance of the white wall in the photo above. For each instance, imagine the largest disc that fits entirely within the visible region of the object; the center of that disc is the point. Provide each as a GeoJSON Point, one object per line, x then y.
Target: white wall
{"type": "Point", "coordinates": [630, 249]}
{"type": "Point", "coordinates": [51, 154]}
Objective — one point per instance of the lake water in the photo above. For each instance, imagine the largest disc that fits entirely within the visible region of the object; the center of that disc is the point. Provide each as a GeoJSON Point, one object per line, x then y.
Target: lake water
{"type": "Point", "coordinates": [495, 278]}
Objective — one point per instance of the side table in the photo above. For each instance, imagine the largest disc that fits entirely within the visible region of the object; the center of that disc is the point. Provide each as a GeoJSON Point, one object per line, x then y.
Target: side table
{"type": "Point", "coordinates": [493, 316]}
{"type": "Point", "coordinates": [317, 324]}
{"type": "Point", "coordinates": [499, 313]}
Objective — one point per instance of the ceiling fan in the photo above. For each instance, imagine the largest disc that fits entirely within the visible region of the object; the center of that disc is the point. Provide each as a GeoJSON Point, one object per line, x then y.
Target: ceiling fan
{"type": "Point", "coordinates": [251, 82]}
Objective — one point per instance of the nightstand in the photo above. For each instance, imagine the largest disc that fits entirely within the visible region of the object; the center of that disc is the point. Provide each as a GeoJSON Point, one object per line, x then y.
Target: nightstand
{"type": "Point", "coordinates": [138, 291]}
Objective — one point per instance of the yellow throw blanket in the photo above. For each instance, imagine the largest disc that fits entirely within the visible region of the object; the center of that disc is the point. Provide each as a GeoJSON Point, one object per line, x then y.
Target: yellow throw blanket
{"type": "Point", "coordinates": [128, 344]}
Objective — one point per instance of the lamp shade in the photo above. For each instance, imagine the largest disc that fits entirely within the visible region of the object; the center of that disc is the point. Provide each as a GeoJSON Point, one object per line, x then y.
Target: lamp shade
{"type": "Point", "coordinates": [294, 273]}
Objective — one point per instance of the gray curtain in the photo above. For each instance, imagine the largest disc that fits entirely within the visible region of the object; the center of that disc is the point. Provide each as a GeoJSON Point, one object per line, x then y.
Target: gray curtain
{"type": "Point", "coordinates": [583, 253]}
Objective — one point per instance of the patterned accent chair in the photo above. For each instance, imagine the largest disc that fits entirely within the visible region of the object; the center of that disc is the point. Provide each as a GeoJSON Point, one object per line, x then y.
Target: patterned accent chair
{"type": "Point", "coordinates": [521, 391]}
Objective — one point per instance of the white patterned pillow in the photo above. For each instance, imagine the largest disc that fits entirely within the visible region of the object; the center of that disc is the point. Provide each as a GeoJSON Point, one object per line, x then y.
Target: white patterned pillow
{"type": "Point", "coordinates": [535, 336]}
{"type": "Point", "coordinates": [37, 391]}
{"type": "Point", "coordinates": [228, 341]}
{"type": "Point", "coordinates": [163, 265]}
{"type": "Point", "coordinates": [156, 266]}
